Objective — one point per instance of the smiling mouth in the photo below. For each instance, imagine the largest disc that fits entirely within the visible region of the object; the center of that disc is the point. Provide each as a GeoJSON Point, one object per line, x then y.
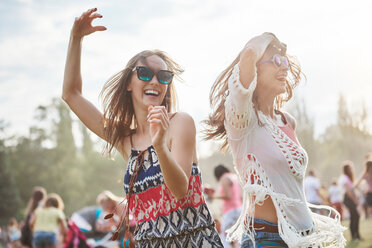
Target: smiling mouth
{"type": "Point", "coordinates": [281, 78]}
{"type": "Point", "coordinates": [151, 93]}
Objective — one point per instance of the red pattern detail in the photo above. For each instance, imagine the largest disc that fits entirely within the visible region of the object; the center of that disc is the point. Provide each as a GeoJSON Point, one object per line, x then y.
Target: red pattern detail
{"type": "Point", "coordinates": [253, 175]}
{"type": "Point", "coordinates": [159, 201]}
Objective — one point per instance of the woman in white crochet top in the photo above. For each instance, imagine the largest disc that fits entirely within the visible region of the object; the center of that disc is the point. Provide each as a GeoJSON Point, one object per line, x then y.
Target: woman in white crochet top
{"type": "Point", "coordinates": [246, 100]}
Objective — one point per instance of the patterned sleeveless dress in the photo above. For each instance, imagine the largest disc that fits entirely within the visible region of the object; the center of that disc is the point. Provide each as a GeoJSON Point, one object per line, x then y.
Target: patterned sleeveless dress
{"type": "Point", "coordinates": [162, 220]}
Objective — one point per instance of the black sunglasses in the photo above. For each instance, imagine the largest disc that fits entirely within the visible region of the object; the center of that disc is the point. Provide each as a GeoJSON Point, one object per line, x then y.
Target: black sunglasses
{"type": "Point", "coordinates": [146, 74]}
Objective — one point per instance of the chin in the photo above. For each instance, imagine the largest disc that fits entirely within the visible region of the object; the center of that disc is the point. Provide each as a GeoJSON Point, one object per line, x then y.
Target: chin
{"type": "Point", "coordinates": [153, 103]}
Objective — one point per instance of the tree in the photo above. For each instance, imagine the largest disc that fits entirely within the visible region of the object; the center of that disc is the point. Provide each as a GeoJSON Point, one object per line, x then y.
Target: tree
{"type": "Point", "coordinates": [9, 194]}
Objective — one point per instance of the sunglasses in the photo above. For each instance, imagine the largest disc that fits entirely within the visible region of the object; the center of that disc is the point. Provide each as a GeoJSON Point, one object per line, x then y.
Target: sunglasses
{"type": "Point", "coordinates": [277, 60]}
{"type": "Point", "coordinates": [146, 74]}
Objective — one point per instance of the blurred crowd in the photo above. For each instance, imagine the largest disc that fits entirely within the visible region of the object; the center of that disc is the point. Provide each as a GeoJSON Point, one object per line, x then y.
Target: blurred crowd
{"type": "Point", "coordinates": [350, 195]}
{"type": "Point", "coordinates": [46, 225]}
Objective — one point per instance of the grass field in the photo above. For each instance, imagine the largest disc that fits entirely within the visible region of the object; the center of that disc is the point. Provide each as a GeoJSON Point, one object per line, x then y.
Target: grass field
{"type": "Point", "coordinates": [365, 229]}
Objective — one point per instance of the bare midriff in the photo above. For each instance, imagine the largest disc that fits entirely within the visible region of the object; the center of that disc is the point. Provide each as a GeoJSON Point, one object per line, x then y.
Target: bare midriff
{"type": "Point", "coordinates": [266, 211]}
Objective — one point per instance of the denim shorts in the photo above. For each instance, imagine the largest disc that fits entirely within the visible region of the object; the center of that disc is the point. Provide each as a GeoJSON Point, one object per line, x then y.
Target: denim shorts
{"type": "Point", "coordinates": [42, 239]}
{"type": "Point", "coordinates": [263, 239]}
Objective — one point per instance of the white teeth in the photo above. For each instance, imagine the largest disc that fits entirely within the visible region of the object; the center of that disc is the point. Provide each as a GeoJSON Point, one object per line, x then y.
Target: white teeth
{"type": "Point", "coordinates": [152, 92]}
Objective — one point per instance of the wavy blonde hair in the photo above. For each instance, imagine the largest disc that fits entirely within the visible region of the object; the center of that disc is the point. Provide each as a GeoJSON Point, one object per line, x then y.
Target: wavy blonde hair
{"type": "Point", "coordinates": [215, 128]}
{"type": "Point", "coordinates": [120, 121]}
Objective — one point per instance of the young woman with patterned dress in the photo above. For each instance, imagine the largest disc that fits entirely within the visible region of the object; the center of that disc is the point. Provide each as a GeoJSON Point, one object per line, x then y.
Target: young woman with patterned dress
{"type": "Point", "coordinates": [246, 100]}
{"type": "Point", "coordinates": [162, 182]}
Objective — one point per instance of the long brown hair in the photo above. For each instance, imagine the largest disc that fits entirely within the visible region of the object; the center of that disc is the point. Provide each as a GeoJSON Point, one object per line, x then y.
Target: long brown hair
{"type": "Point", "coordinates": [215, 128]}
{"type": "Point", "coordinates": [119, 118]}
{"type": "Point", "coordinates": [38, 196]}
{"type": "Point", "coordinates": [348, 170]}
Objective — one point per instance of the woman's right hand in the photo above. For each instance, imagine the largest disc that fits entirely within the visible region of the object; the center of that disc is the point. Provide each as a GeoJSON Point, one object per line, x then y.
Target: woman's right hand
{"type": "Point", "coordinates": [83, 24]}
{"type": "Point", "coordinates": [259, 43]}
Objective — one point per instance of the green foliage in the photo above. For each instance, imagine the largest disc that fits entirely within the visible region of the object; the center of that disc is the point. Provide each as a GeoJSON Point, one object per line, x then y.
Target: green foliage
{"type": "Point", "coordinates": [9, 194]}
{"type": "Point", "coordinates": [48, 157]}
{"type": "Point", "coordinates": [348, 139]}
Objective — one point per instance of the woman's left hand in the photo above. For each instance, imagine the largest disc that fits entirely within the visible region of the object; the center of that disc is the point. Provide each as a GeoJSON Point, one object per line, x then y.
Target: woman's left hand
{"type": "Point", "coordinates": [159, 123]}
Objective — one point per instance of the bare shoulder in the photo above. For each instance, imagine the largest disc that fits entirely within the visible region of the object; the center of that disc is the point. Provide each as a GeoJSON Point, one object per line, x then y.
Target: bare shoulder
{"type": "Point", "coordinates": [226, 180]}
{"type": "Point", "coordinates": [182, 120]}
{"type": "Point", "coordinates": [182, 125]}
{"type": "Point", "coordinates": [291, 120]}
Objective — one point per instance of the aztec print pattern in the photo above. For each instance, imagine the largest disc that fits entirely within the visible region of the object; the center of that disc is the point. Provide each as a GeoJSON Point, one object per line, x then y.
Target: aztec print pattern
{"type": "Point", "coordinates": [162, 220]}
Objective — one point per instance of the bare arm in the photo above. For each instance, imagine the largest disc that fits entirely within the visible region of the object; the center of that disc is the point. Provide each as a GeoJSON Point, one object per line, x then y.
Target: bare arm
{"type": "Point", "coordinates": [72, 83]}
{"type": "Point", "coordinates": [176, 165]}
{"type": "Point", "coordinates": [32, 221]}
{"type": "Point", "coordinates": [360, 179]}
{"type": "Point", "coordinates": [250, 55]}
{"type": "Point", "coordinates": [63, 229]}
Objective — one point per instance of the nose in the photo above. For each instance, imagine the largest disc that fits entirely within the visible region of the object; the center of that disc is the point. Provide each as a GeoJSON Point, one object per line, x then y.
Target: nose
{"type": "Point", "coordinates": [154, 80]}
{"type": "Point", "coordinates": [283, 67]}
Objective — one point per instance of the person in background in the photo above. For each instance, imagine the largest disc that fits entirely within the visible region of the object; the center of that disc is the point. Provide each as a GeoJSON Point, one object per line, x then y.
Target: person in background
{"type": "Point", "coordinates": [14, 234]}
{"type": "Point", "coordinates": [37, 200]}
{"type": "Point", "coordinates": [87, 220]}
{"type": "Point", "coordinates": [230, 193]}
{"type": "Point", "coordinates": [367, 177]}
{"type": "Point", "coordinates": [312, 189]}
{"type": "Point", "coordinates": [47, 222]}
{"type": "Point", "coordinates": [110, 203]}
{"type": "Point", "coordinates": [350, 200]}
{"type": "Point", "coordinates": [335, 197]}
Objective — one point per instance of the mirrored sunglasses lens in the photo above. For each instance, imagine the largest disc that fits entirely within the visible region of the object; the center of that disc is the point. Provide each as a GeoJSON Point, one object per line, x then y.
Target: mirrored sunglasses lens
{"type": "Point", "coordinates": [277, 60]}
{"type": "Point", "coordinates": [165, 77]}
{"type": "Point", "coordinates": [286, 62]}
{"type": "Point", "coordinates": [144, 74]}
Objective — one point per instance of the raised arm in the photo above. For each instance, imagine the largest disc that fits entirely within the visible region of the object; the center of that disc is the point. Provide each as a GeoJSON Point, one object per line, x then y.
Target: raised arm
{"type": "Point", "coordinates": [251, 54]}
{"type": "Point", "coordinates": [241, 84]}
{"type": "Point", "coordinates": [72, 82]}
{"type": "Point", "coordinates": [360, 179]}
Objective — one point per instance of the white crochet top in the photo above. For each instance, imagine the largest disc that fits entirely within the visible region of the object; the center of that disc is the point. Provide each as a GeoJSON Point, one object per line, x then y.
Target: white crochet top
{"type": "Point", "coordinates": [270, 163]}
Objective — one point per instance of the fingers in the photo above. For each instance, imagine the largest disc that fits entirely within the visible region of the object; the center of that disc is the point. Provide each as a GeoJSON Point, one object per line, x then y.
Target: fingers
{"type": "Point", "coordinates": [158, 122]}
{"type": "Point", "coordinates": [83, 24]}
{"type": "Point", "coordinates": [89, 12]}
{"type": "Point", "coordinates": [158, 114]}
{"type": "Point", "coordinates": [99, 28]}
{"type": "Point", "coordinates": [159, 117]}
{"type": "Point", "coordinates": [95, 15]}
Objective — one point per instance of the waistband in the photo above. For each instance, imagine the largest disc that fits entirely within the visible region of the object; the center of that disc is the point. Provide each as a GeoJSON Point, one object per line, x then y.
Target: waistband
{"type": "Point", "coordinates": [261, 225]}
{"type": "Point", "coordinates": [182, 233]}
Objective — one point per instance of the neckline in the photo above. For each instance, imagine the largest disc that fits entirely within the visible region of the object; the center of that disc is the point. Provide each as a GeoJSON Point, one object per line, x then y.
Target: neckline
{"type": "Point", "coordinates": [286, 125]}
{"type": "Point", "coordinates": [138, 150]}
{"type": "Point", "coordinates": [277, 112]}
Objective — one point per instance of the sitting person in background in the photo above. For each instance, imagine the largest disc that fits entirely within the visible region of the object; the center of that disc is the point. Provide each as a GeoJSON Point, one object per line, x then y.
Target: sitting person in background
{"type": "Point", "coordinates": [87, 220]}
{"type": "Point", "coordinates": [14, 234]}
{"type": "Point", "coordinates": [110, 203]}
